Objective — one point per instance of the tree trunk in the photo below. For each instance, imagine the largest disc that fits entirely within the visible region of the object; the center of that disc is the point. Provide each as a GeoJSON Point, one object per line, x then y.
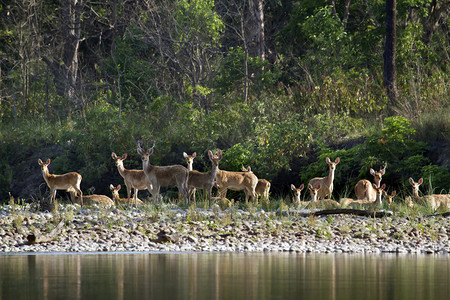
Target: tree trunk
{"type": "Point", "coordinates": [390, 77]}
{"type": "Point", "coordinates": [256, 28]}
{"type": "Point", "coordinates": [346, 12]}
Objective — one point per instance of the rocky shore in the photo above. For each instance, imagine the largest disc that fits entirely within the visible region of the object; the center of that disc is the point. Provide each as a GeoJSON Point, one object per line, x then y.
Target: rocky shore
{"type": "Point", "coordinates": [167, 227]}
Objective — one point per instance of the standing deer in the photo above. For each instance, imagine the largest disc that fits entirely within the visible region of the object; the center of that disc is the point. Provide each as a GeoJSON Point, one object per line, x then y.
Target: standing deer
{"type": "Point", "coordinates": [190, 162]}
{"type": "Point", "coordinates": [163, 176]}
{"type": "Point", "coordinates": [91, 199]}
{"type": "Point", "coordinates": [325, 184]}
{"type": "Point", "coordinates": [314, 193]}
{"type": "Point", "coordinates": [205, 181]}
{"type": "Point", "coordinates": [347, 202]}
{"type": "Point", "coordinates": [134, 179]}
{"type": "Point", "coordinates": [236, 181]}
{"type": "Point", "coordinates": [60, 182]}
{"type": "Point", "coordinates": [435, 200]}
{"type": "Point", "coordinates": [364, 188]}
{"type": "Point", "coordinates": [263, 186]}
{"type": "Point", "coordinates": [116, 197]}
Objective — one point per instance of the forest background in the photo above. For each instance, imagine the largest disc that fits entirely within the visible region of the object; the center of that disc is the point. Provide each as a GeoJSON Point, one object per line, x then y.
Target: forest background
{"type": "Point", "coordinates": [278, 85]}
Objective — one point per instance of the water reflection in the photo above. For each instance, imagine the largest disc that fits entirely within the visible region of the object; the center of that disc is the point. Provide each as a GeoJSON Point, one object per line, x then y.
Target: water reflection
{"type": "Point", "coordinates": [223, 276]}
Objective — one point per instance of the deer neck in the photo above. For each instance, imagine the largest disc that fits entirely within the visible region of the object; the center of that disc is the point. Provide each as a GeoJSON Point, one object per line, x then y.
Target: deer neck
{"type": "Point", "coordinates": [121, 169]}
{"type": "Point", "coordinates": [190, 168]}
{"type": "Point", "coordinates": [330, 177]}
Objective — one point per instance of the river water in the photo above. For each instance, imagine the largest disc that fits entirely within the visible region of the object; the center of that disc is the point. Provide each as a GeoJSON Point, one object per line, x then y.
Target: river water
{"type": "Point", "coordinates": [224, 276]}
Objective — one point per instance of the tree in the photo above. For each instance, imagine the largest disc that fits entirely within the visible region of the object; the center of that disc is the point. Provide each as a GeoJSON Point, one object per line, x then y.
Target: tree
{"type": "Point", "coordinates": [390, 77]}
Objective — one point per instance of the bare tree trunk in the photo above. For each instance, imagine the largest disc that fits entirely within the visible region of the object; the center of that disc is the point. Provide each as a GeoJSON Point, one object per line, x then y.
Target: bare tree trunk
{"type": "Point", "coordinates": [390, 77]}
{"type": "Point", "coordinates": [65, 69]}
{"type": "Point", "coordinates": [256, 28]}
{"type": "Point", "coordinates": [346, 12]}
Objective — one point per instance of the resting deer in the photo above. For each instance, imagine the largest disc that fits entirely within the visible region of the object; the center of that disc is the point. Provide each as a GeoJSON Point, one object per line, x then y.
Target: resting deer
{"type": "Point", "coordinates": [297, 194]}
{"type": "Point", "coordinates": [163, 176]}
{"type": "Point", "coordinates": [262, 188]}
{"type": "Point", "coordinates": [347, 202]}
{"type": "Point", "coordinates": [364, 188]}
{"type": "Point", "coordinates": [237, 181]}
{"type": "Point", "coordinates": [435, 200]}
{"type": "Point", "coordinates": [325, 184]}
{"type": "Point", "coordinates": [134, 179]}
{"type": "Point", "coordinates": [190, 162]}
{"type": "Point", "coordinates": [205, 181]}
{"type": "Point", "coordinates": [91, 199]}
{"type": "Point", "coordinates": [116, 197]}
{"type": "Point", "coordinates": [60, 182]}
{"type": "Point", "coordinates": [389, 198]}
{"type": "Point", "coordinates": [314, 192]}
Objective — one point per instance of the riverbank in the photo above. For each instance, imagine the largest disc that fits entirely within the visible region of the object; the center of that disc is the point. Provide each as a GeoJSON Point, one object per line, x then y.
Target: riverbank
{"type": "Point", "coordinates": [167, 227]}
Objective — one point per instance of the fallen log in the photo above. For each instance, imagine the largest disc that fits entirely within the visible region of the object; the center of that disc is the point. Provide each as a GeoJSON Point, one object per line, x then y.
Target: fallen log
{"type": "Point", "coordinates": [39, 238]}
{"type": "Point", "coordinates": [341, 211]}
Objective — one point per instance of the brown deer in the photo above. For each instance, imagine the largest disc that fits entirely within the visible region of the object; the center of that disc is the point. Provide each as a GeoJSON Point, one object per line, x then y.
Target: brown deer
{"type": "Point", "coordinates": [263, 187]}
{"type": "Point", "coordinates": [116, 197]}
{"type": "Point", "coordinates": [236, 181]}
{"type": "Point", "coordinates": [434, 200]}
{"type": "Point", "coordinates": [205, 181]}
{"type": "Point", "coordinates": [364, 188]}
{"type": "Point", "coordinates": [134, 179]}
{"type": "Point", "coordinates": [389, 198]}
{"type": "Point", "coordinates": [297, 193]}
{"type": "Point", "coordinates": [347, 202]}
{"type": "Point", "coordinates": [325, 183]}
{"type": "Point", "coordinates": [314, 203]}
{"type": "Point", "coordinates": [163, 176]}
{"type": "Point", "coordinates": [91, 199]}
{"type": "Point", "coordinates": [60, 182]}
{"type": "Point", "coordinates": [190, 162]}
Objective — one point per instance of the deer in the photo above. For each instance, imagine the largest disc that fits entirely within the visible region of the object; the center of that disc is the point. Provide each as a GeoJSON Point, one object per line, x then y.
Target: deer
{"type": "Point", "coordinates": [314, 193]}
{"type": "Point", "coordinates": [263, 187]}
{"type": "Point", "coordinates": [237, 181]}
{"type": "Point", "coordinates": [90, 199]}
{"type": "Point", "coordinates": [116, 197]}
{"type": "Point", "coordinates": [205, 181]}
{"type": "Point", "coordinates": [60, 182]}
{"type": "Point", "coordinates": [435, 200]}
{"type": "Point", "coordinates": [389, 198]}
{"type": "Point", "coordinates": [163, 176]}
{"type": "Point", "coordinates": [347, 202]}
{"type": "Point", "coordinates": [297, 194]}
{"type": "Point", "coordinates": [190, 162]}
{"type": "Point", "coordinates": [325, 184]}
{"type": "Point", "coordinates": [134, 179]}
{"type": "Point", "coordinates": [364, 188]}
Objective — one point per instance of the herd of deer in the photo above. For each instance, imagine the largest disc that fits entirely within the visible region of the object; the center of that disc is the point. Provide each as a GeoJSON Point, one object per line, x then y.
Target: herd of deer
{"type": "Point", "coordinates": [187, 180]}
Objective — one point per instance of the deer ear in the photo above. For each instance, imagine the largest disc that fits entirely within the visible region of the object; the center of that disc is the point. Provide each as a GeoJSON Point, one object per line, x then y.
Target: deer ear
{"type": "Point", "coordinates": [292, 187]}
{"type": "Point", "coordinates": [420, 181]}
{"type": "Point", "coordinates": [394, 193]}
{"type": "Point", "coordinates": [150, 151]}
{"type": "Point", "coordinates": [194, 155]}
{"type": "Point", "coordinates": [40, 162]}
{"type": "Point", "coordinates": [111, 187]}
{"type": "Point", "coordinates": [411, 181]}
{"type": "Point", "coordinates": [219, 154]}
{"type": "Point", "coordinates": [372, 172]}
{"type": "Point", "coordinates": [328, 160]}
{"type": "Point", "coordinates": [124, 156]}
{"type": "Point", "coordinates": [318, 187]}
{"type": "Point", "coordinates": [119, 187]}
{"type": "Point", "coordinates": [336, 161]}
{"type": "Point", "coordinates": [382, 171]}
{"type": "Point", "coordinates": [113, 155]}
{"type": "Point", "coordinates": [383, 186]}
{"type": "Point", "coordinates": [302, 187]}
{"type": "Point", "coordinates": [48, 161]}
{"type": "Point", "coordinates": [185, 155]}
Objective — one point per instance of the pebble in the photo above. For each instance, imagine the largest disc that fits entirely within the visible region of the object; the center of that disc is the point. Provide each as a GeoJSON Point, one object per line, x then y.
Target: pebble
{"type": "Point", "coordinates": [216, 230]}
